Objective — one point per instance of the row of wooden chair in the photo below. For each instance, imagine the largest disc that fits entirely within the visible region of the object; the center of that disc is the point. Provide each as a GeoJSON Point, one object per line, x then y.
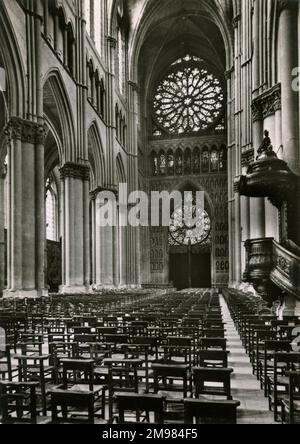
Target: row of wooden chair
{"type": "Point", "coordinates": [80, 353]}
{"type": "Point", "coordinates": [270, 344]}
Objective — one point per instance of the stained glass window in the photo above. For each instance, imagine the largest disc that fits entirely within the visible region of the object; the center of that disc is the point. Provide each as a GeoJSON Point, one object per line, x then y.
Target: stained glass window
{"type": "Point", "coordinates": [205, 160]}
{"type": "Point", "coordinates": [179, 162]}
{"type": "Point", "coordinates": [162, 164]}
{"type": "Point", "coordinates": [51, 211]}
{"type": "Point", "coordinates": [171, 163]}
{"type": "Point", "coordinates": [154, 164]}
{"type": "Point", "coordinates": [189, 99]}
{"type": "Point", "coordinates": [187, 161]}
{"type": "Point", "coordinates": [223, 158]}
{"type": "Point", "coordinates": [214, 159]}
{"type": "Point", "coordinates": [196, 161]}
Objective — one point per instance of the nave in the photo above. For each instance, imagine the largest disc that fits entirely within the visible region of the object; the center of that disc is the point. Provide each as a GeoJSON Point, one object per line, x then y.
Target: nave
{"type": "Point", "coordinates": [189, 357]}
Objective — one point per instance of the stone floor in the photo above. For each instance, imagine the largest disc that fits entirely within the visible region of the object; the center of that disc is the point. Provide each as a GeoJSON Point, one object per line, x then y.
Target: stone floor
{"type": "Point", "coordinates": [245, 387]}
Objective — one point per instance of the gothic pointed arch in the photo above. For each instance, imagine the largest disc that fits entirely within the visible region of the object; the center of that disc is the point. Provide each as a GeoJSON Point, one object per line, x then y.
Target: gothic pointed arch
{"type": "Point", "coordinates": [58, 110]}
{"type": "Point", "coordinates": [96, 157]}
{"type": "Point", "coordinates": [12, 63]}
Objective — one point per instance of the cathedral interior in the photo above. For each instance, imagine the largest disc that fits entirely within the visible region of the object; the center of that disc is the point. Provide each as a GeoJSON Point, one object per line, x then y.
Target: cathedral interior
{"type": "Point", "coordinates": [163, 323]}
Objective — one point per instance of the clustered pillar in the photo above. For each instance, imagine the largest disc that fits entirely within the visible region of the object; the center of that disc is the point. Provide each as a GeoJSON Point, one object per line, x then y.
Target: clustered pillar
{"type": "Point", "coordinates": [75, 180]}
{"type": "Point", "coordinates": [25, 252]}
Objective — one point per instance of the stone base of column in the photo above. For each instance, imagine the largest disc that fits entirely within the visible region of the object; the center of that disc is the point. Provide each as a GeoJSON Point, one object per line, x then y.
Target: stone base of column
{"type": "Point", "coordinates": [289, 307]}
{"type": "Point", "coordinates": [102, 288]}
{"type": "Point", "coordinates": [22, 294]}
{"type": "Point", "coordinates": [74, 290]}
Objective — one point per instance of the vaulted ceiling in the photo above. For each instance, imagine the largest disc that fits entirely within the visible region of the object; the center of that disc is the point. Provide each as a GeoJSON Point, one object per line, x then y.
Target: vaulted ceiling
{"type": "Point", "coordinates": [165, 30]}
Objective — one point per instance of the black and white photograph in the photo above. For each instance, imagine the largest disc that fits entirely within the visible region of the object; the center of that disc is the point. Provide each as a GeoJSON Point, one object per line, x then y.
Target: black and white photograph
{"type": "Point", "coordinates": [149, 215]}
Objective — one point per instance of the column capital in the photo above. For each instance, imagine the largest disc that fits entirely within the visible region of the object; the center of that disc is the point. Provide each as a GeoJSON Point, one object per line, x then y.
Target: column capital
{"type": "Point", "coordinates": [267, 103]}
{"type": "Point", "coordinates": [75, 171]}
{"type": "Point", "coordinates": [25, 130]}
{"type": "Point", "coordinates": [256, 111]}
{"type": "Point", "coordinates": [286, 4]}
{"type": "Point", "coordinates": [94, 193]}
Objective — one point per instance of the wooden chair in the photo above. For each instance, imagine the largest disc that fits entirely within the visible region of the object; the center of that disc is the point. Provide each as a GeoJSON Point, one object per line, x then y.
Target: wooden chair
{"type": "Point", "coordinates": [150, 341]}
{"type": "Point", "coordinates": [178, 350]}
{"type": "Point", "coordinates": [84, 342]}
{"type": "Point", "coordinates": [36, 368]}
{"type": "Point", "coordinates": [18, 403]}
{"type": "Point", "coordinates": [210, 412]}
{"type": "Point", "coordinates": [78, 375]}
{"type": "Point", "coordinates": [7, 371]}
{"type": "Point", "coordinates": [213, 358]}
{"type": "Point", "coordinates": [122, 377]}
{"type": "Point", "coordinates": [213, 343]}
{"type": "Point", "coordinates": [68, 406]}
{"type": "Point", "coordinates": [164, 376]}
{"type": "Point", "coordinates": [174, 382]}
{"type": "Point", "coordinates": [31, 344]}
{"type": "Point", "coordinates": [278, 384]}
{"type": "Point", "coordinates": [142, 406]}
{"type": "Point", "coordinates": [214, 332]}
{"type": "Point", "coordinates": [266, 369]}
{"type": "Point", "coordinates": [203, 376]}
{"type": "Point", "coordinates": [291, 406]}
{"type": "Point", "coordinates": [258, 351]}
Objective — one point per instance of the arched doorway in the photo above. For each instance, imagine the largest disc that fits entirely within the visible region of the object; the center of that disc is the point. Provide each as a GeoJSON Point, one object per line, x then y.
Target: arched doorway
{"type": "Point", "coordinates": [190, 246]}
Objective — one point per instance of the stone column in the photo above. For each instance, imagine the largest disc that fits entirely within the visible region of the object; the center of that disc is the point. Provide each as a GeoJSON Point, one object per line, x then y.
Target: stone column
{"type": "Point", "coordinates": [15, 205]}
{"type": "Point", "coordinates": [290, 307]}
{"type": "Point", "coordinates": [288, 61]}
{"type": "Point", "coordinates": [110, 113]}
{"type": "Point", "coordinates": [40, 213]}
{"type": "Point", "coordinates": [28, 211]}
{"type": "Point", "coordinates": [245, 223]}
{"type": "Point", "coordinates": [75, 178]}
{"type": "Point", "coordinates": [257, 206]}
{"type": "Point", "coordinates": [105, 273]}
{"type": "Point", "coordinates": [236, 160]}
{"type": "Point", "coordinates": [133, 233]}
{"type": "Point", "coordinates": [2, 227]}
{"type": "Point", "coordinates": [230, 76]}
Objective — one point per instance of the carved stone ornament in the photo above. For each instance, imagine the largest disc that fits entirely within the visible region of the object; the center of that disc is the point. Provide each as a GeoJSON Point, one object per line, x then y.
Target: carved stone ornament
{"type": "Point", "coordinates": [25, 130]}
{"type": "Point", "coordinates": [267, 103]}
{"type": "Point", "coordinates": [94, 193]}
{"type": "Point", "coordinates": [265, 151]}
{"type": "Point", "coordinates": [271, 268]}
{"type": "Point", "coordinates": [75, 170]}
{"type": "Point", "coordinates": [269, 177]}
{"type": "Point", "coordinates": [247, 157]}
